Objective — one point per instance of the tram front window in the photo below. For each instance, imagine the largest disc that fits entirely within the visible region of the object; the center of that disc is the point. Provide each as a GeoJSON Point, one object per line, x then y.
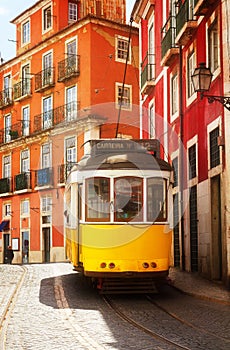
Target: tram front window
{"type": "Point", "coordinates": [156, 199]}
{"type": "Point", "coordinates": [97, 199]}
{"type": "Point", "coordinates": [128, 199]}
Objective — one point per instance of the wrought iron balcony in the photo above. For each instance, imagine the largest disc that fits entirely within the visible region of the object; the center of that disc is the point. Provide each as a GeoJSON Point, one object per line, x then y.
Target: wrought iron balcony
{"type": "Point", "coordinates": [44, 79]}
{"type": "Point", "coordinates": [186, 22]}
{"type": "Point", "coordinates": [22, 89]}
{"type": "Point", "coordinates": [22, 181]}
{"type": "Point", "coordinates": [201, 7]}
{"type": "Point", "coordinates": [5, 185]}
{"type": "Point", "coordinates": [65, 113]}
{"type": "Point", "coordinates": [63, 171]}
{"type": "Point", "coordinates": [15, 131]}
{"type": "Point", "coordinates": [6, 98]}
{"type": "Point", "coordinates": [44, 177]}
{"type": "Point", "coordinates": [68, 68]}
{"type": "Point", "coordinates": [148, 73]}
{"type": "Point", "coordinates": [169, 49]}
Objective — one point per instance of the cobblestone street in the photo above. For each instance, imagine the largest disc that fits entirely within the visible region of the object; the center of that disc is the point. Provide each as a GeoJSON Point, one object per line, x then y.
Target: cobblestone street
{"type": "Point", "coordinates": [50, 306]}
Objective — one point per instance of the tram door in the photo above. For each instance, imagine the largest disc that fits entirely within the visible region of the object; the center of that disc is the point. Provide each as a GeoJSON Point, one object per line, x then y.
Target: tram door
{"type": "Point", "coordinates": [6, 238]}
{"type": "Point", "coordinates": [216, 228]}
{"type": "Point", "coordinates": [46, 244]}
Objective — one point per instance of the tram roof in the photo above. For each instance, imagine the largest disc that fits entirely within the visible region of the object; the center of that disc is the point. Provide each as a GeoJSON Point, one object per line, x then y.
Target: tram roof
{"type": "Point", "coordinates": [123, 154]}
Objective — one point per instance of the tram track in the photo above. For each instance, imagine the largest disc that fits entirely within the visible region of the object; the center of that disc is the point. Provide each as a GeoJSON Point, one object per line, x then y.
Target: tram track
{"type": "Point", "coordinates": [9, 307]}
{"type": "Point", "coordinates": [183, 321]}
{"type": "Point", "coordinates": [131, 321]}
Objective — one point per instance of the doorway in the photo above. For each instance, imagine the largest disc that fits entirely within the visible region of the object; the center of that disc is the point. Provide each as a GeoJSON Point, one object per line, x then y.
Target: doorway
{"type": "Point", "coordinates": [46, 244]}
{"type": "Point", "coordinates": [216, 228]}
{"type": "Point", "coordinates": [25, 247]}
{"type": "Point", "coordinates": [6, 242]}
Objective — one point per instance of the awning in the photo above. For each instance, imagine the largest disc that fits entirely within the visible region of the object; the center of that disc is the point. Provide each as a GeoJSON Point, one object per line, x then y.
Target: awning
{"type": "Point", "coordinates": [4, 225]}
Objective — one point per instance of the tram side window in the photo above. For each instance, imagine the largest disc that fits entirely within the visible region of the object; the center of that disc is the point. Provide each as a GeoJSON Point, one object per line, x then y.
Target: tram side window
{"type": "Point", "coordinates": [156, 200]}
{"type": "Point", "coordinates": [97, 199]}
{"type": "Point", "coordinates": [128, 199]}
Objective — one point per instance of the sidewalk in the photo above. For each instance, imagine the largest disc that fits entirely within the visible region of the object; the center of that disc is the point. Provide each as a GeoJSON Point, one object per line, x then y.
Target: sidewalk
{"type": "Point", "coordinates": [193, 284]}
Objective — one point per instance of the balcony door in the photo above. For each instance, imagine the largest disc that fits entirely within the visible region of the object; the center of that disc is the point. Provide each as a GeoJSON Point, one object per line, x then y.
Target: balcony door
{"type": "Point", "coordinates": [71, 103]}
{"type": "Point", "coordinates": [47, 113]}
{"type": "Point", "coordinates": [47, 69]}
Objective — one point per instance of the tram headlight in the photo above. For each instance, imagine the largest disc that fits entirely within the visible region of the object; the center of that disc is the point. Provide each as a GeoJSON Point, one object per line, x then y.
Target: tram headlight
{"type": "Point", "coordinates": [145, 265]}
{"type": "Point", "coordinates": [153, 265]}
{"type": "Point", "coordinates": [103, 265]}
{"type": "Point", "coordinates": [111, 265]}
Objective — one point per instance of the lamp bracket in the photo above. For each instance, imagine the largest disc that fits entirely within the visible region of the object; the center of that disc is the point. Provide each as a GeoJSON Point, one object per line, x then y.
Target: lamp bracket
{"type": "Point", "coordinates": [224, 100]}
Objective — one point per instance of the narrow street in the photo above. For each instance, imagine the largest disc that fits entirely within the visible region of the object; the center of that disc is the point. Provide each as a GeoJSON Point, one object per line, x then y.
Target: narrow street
{"type": "Point", "coordinates": [51, 306]}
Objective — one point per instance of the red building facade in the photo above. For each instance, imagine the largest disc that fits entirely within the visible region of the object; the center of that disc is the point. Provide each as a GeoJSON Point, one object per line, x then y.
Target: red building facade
{"type": "Point", "coordinates": [175, 37]}
{"type": "Point", "coordinates": [61, 89]}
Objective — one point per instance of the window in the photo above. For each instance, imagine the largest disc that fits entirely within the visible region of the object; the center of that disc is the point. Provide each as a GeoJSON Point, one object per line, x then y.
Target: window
{"type": "Point", "coordinates": [71, 103]}
{"type": "Point", "coordinates": [128, 199]}
{"type": "Point", "coordinates": [47, 69]}
{"type": "Point", "coordinates": [70, 144]}
{"type": "Point", "coordinates": [7, 127]}
{"type": "Point", "coordinates": [26, 80]}
{"type": "Point", "coordinates": [152, 122]}
{"type": "Point", "coordinates": [175, 166]}
{"type": "Point", "coordinates": [7, 209]}
{"type": "Point", "coordinates": [123, 96]}
{"type": "Point", "coordinates": [46, 161]}
{"type": "Point", "coordinates": [25, 207]}
{"type": "Point", "coordinates": [122, 45]}
{"type": "Point", "coordinates": [25, 161]}
{"type": "Point", "coordinates": [47, 18]}
{"type": "Point", "coordinates": [174, 94]}
{"type": "Point", "coordinates": [6, 167]}
{"type": "Point", "coordinates": [213, 46]}
{"type": "Point", "coordinates": [214, 148]}
{"type": "Point", "coordinates": [46, 204]}
{"type": "Point", "coordinates": [26, 32]}
{"type": "Point", "coordinates": [72, 12]}
{"type": "Point", "coordinates": [97, 199]}
{"type": "Point", "coordinates": [191, 67]}
{"type": "Point", "coordinates": [25, 121]}
{"type": "Point", "coordinates": [156, 200]}
{"type": "Point", "coordinates": [192, 161]}
{"type": "Point", "coordinates": [7, 89]}
{"type": "Point", "coordinates": [47, 113]}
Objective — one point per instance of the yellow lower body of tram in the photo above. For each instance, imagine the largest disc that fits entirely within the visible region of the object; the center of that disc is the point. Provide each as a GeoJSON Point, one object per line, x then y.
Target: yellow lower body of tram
{"type": "Point", "coordinates": [108, 251]}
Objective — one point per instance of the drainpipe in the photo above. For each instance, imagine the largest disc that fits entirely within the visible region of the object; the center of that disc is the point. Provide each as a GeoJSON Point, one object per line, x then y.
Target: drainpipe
{"type": "Point", "coordinates": [181, 155]}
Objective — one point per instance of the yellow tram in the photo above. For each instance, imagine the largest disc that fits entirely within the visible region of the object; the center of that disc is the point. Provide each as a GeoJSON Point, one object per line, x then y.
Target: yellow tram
{"type": "Point", "coordinates": [117, 202]}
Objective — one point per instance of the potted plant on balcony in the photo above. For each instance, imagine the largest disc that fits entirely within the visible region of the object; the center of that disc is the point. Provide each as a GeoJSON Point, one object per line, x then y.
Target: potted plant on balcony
{"type": "Point", "coordinates": [13, 134]}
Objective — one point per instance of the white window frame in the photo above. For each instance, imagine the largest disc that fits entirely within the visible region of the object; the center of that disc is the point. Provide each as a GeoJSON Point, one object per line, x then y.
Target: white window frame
{"type": "Point", "coordinates": [72, 12]}
{"type": "Point", "coordinates": [215, 70]}
{"type": "Point", "coordinates": [46, 204]}
{"type": "Point", "coordinates": [25, 161]}
{"type": "Point", "coordinates": [26, 120]}
{"type": "Point", "coordinates": [6, 170]}
{"type": "Point", "coordinates": [8, 124]}
{"type": "Point", "coordinates": [125, 105]}
{"type": "Point", "coordinates": [25, 32]}
{"type": "Point", "coordinates": [194, 141]}
{"type": "Point", "coordinates": [152, 122]}
{"type": "Point", "coordinates": [174, 100]}
{"type": "Point", "coordinates": [119, 39]}
{"type": "Point", "coordinates": [7, 209]}
{"type": "Point", "coordinates": [25, 207]}
{"type": "Point", "coordinates": [190, 67]}
{"type": "Point", "coordinates": [46, 156]}
{"type": "Point", "coordinates": [45, 23]}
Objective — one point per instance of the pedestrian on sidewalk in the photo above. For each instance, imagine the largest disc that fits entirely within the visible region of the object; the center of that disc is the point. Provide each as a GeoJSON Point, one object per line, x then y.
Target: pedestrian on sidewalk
{"type": "Point", "coordinates": [9, 255]}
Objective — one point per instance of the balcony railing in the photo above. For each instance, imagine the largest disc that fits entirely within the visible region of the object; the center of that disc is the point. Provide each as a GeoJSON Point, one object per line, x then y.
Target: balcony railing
{"type": "Point", "coordinates": [6, 98]}
{"type": "Point", "coordinates": [185, 22]}
{"type": "Point", "coordinates": [65, 113]}
{"type": "Point", "coordinates": [201, 7]}
{"type": "Point", "coordinates": [44, 177]}
{"type": "Point", "coordinates": [63, 171]}
{"type": "Point", "coordinates": [22, 89]}
{"type": "Point", "coordinates": [68, 68]}
{"type": "Point", "coordinates": [15, 131]}
{"type": "Point", "coordinates": [5, 185]}
{"type": "Point", "coordinates": [168, 45]}
{"type": "Point", "coordinates": [44, 79]}
{"type": "Point", "coordinates": [22, 181]}
{"type": "Point", "coordinates": [148, 73]}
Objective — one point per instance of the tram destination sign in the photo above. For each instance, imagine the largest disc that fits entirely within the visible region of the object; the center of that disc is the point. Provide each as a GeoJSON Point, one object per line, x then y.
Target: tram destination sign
{"type": "Point", "coordinates": [124, 146]}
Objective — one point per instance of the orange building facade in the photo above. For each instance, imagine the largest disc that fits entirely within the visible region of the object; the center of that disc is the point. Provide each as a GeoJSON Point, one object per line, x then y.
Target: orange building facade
{"type": "Point", "coordinates": [63, 88]}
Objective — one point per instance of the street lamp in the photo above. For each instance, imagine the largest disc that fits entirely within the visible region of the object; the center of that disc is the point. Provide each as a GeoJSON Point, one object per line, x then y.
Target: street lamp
{"type": "Point", "coordinates": [201, 80]}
